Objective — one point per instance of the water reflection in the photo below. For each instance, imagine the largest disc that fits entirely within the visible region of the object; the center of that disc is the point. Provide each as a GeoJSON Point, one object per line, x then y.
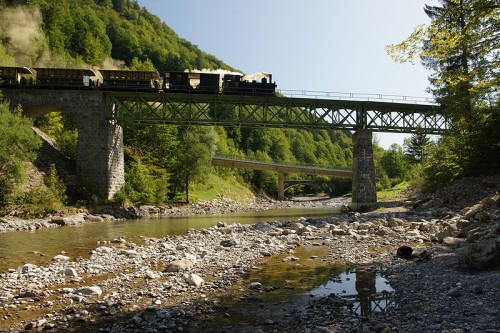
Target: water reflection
{"type": "Point", "coordinates": [366, 291]}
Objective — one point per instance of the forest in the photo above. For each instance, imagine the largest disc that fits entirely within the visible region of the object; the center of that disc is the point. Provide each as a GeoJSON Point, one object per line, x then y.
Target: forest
{"type": "Point", "coordinates": [161, 160]}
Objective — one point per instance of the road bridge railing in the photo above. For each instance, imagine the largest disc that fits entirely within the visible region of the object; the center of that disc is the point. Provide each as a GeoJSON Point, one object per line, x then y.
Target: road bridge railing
{"type": "Point", "coordinates": [283, 167]}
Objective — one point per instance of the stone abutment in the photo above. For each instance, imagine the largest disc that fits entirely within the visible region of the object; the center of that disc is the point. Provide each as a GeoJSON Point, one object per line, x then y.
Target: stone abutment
{"type": "Point", "coordinates": [99, 161]}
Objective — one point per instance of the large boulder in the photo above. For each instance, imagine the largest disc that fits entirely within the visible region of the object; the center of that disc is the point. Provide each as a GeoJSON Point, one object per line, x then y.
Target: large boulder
{"type": "Point", "coordinates": [483, 254]}
{"type": "Point", "coordinates": [179, 265]}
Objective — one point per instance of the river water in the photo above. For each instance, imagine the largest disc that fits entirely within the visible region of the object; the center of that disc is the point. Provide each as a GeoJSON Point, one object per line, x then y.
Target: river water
{"type": "Point", "coordinates": [292, 285]}
{"type": "Point", "coordinates": [40, 246]}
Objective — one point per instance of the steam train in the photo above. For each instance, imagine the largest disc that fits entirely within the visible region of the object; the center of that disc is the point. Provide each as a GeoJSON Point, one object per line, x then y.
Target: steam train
{"type": "Point", "coordinates": [142, 81]}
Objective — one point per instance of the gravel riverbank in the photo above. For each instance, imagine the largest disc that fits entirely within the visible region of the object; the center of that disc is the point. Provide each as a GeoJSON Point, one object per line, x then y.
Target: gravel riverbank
{"type": "Point", "coordinates": [449, 283]}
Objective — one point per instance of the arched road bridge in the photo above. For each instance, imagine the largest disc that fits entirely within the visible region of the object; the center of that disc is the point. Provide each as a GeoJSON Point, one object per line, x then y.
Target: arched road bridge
{"type": "Point", "coordinates": [98, 115]}
{"type": "Point", "coordinates": [280, 168]}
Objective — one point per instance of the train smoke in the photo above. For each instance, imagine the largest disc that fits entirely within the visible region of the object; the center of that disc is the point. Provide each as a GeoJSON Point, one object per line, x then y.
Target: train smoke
{"type": "Point", "coordinates": [248, 77]}
{"type": "Point", "coordinates": [20, 28]}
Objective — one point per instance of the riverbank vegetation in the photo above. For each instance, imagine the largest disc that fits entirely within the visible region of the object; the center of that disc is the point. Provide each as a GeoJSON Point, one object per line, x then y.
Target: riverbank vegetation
{"type": "Point", "coordinates": [172, 163]}
{"type": "Point", "coordinates": [461, 49]}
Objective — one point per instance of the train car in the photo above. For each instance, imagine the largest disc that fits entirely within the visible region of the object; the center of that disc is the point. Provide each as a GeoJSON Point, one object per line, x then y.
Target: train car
{"type": "Point", "coordinates": [130, 80]}
{"type": "Point", "coordinates": [65, 78]}
{"type": "Point", "coordinates": [235, 84]}
{"type": "Point", "coordinates": [185, 82]}
{"type": "Point", "coordinates": [15, 76]}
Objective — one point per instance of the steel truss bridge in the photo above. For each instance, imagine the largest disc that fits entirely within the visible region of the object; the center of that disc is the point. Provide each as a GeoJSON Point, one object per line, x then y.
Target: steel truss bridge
{"type": "Point", "coordinates": [347, 112]}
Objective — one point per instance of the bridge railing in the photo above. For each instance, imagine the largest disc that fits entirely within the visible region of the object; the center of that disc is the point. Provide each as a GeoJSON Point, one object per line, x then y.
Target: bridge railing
{"type": "Point", "coordinates": [283, 163]}
{"type": "Point", "coordinates": [356, 96]}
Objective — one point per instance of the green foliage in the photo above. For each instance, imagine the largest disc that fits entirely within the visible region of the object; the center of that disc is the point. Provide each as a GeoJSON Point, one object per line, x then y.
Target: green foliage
{"type": "Point", "coordinates": [416, 146]}
{"type": "Point", "coordinates": [18, 145]}
{"type": "Point", "coordinates": [60, 127]}
{"type": "Point", "coordinates": [144, 186]}
{"type": "Point", "coordinates": [159, 159]}
{"type": "Point", "coordinates": [55, 185]}
{"type": "Point", "coordinates": [461, 48]}
{"type": "Point", "coordinates": [37, 202]}
{"type": "Point", "coordinates": [193, 164]}
{"type": "Point", "coordinates": [394, 163]}
{"type": "Point", "coordinates": [459, 155]}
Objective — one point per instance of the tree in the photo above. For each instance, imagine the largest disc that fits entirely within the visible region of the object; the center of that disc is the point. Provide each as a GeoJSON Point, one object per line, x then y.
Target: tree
{"type": "Point", "coordinates": [55, 184]}
{"type": "Point", "coordinates": [18, 144]}
{"type": "Point", "coordinates": [415, 147]}
{"type": "Point", "coordinates": [194, 159]}
{"type": "Point", "coordinates": [461, 48]}
{"type": "Point", "coordinates": [394, 163]}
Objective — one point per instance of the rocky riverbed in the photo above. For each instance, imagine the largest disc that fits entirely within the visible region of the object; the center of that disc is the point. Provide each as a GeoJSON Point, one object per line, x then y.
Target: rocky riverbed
{"type": "Point", "coordinates": [222, 205]}
{"type": "Point", "coordinates": [441, 255]}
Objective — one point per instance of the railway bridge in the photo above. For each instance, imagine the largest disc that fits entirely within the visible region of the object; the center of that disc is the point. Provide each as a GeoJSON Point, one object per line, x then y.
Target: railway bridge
{"type": "Point", "coordinates": [98, 115]}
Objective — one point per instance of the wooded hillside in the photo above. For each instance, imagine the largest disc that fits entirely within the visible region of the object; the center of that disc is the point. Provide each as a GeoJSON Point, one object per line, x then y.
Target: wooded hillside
{"type": "Point", "coordinates": [159, 159]}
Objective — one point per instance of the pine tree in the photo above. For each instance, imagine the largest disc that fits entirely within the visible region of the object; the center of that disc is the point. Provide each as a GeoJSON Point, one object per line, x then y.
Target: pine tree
{"type": "Point", "coordinates": [415, 147]}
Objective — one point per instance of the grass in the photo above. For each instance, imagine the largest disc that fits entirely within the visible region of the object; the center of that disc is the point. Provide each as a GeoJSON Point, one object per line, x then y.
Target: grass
{"type": "Point", "coordinates": [216, 186]}
{"type": "Point", "coordinates": [394, 193]}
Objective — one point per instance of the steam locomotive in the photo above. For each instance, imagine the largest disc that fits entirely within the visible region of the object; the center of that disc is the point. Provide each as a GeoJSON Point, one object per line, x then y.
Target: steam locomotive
{"type": "Point", "coordinates": [143, 81]}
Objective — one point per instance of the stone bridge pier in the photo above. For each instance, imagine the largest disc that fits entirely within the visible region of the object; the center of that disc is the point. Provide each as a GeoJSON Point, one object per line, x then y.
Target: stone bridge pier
{"type": "Point", "coordinates": [364, 188]}
{"type": "Point", "coordinates": [99, 161]}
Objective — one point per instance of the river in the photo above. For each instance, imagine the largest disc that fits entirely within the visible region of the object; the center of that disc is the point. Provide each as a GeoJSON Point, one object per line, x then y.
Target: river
{"type": "Point", "coordinates": [40, 246]}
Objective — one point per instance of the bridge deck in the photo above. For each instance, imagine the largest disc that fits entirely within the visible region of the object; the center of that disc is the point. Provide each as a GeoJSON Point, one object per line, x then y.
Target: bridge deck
{"type": "Point", "coordinates": [257, 165]}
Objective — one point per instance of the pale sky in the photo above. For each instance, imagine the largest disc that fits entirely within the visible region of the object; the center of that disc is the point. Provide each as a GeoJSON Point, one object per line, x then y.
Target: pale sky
{"type": "Point", "coordinates": [314, 45]}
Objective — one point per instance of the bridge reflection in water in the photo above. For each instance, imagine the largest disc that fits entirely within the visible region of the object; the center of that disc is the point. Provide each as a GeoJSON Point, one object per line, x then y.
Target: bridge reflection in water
{"type": "Point", "coordinates": [364, 291]}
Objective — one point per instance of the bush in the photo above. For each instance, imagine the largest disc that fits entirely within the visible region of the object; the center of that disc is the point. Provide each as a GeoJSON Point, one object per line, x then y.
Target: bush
{"type": "Point", "coordinates": [18, 145]}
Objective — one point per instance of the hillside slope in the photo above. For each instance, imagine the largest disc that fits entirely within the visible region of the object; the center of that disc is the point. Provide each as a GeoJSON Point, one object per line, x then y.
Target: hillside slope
{"type": "Point", "coordinates": [119, 33]}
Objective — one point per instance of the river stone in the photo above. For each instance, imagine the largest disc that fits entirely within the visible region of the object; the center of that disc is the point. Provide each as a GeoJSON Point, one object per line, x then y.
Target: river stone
{"type": "Point", "coordinates": [228, 242]}
{"type": "Point", "coordinates": [339, 232]}
{"type": "Point", "coordinates": [93, 218]}
{"type": "Point", "coordinates": [129, 253]}
{"type": "Point", "coordinates": [226, 230]}
{"type": "Point", "coordinates": [195, 280]}
{"type": "Point", "coordinates": [70, 272]}
{"type": "Point", "coordinates": [89, 291]}
{"type": "Point", "coordinates": [104, 249]}
{"type": "Point", "coordinates": [179, 265]}
{"type": "Point", "coordinates": [404, 252]}
{"type": "Point", "coordinates": [60, 257]}
{"type": "Point", "coordinates": [26, 268]}
{"type": "Point", "coordinates": [453, 242]}
{"type": "Point", "coordinates": [484, 254]}
{"type": "Point", "coordinates": [67, 220]}
{"type": "Point", "coordinates": [256, 285]}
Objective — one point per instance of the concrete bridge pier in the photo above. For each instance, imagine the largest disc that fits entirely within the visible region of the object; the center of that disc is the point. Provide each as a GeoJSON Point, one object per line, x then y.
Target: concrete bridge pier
{"type": "Point", "coordinates": [364, 190]}
{"type": "Point", "coordinates": [281, 186]}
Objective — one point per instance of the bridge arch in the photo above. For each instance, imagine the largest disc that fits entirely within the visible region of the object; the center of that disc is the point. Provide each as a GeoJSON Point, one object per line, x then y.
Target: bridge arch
{"type": "Point", "coordinates": [99, 160]}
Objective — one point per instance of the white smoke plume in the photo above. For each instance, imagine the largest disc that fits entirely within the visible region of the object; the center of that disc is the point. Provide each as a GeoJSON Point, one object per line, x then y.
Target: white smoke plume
{"type": "Point", "coordinates": [247, 77]}
{"type": "Point", "coordinates": [110, 63]}
{"type": "Point", "coordinates": [20, 28]}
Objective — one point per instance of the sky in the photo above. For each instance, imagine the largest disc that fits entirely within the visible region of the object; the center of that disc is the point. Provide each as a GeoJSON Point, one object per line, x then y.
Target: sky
{"type": "Point", "coordinates": [313, 45]}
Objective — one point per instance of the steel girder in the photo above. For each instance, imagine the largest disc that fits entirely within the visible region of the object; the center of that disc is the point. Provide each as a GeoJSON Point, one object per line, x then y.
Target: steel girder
{"type": "Point", "coordinates": [281, 112]}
